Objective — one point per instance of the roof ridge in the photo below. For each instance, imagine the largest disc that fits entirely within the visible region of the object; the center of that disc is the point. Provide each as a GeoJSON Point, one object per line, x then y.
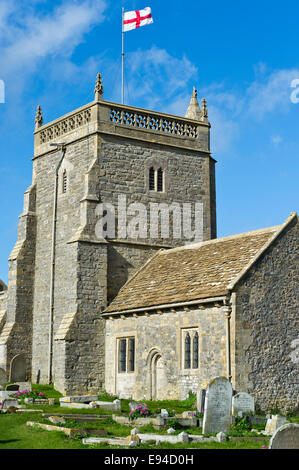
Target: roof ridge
{"type": "Point", "coordinates": [191, 246]}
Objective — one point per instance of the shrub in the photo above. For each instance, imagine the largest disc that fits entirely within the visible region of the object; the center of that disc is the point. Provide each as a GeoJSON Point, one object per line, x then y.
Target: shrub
{"type": "Point", "coordinates": [139, 412]}
{"type": "Point", "coordinates": [174, 423]}
{"type": "Point", "coordinates": [242, 424]}
{"type": "Point", "coordinates": [20, 395]}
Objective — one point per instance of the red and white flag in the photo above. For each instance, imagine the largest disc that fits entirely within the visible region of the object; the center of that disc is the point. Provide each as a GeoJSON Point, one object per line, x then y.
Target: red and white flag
{"type": "Point", "coordinates": [137, 18]}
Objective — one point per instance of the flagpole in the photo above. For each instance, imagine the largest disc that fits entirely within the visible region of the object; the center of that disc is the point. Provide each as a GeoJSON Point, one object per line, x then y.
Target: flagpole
{"type": "Point", "coordinates": [123, 58]}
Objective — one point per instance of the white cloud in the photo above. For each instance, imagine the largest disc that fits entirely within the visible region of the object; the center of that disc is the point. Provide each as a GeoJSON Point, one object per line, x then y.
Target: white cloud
{"type": "Point", "coordinates": [271, 93]}
{"type": "Point", "coordinates": [34, 37]}
{"type": "Point", "coordinates": [276, 139]}
{"type": "Point", "coordinates": [157, 78]}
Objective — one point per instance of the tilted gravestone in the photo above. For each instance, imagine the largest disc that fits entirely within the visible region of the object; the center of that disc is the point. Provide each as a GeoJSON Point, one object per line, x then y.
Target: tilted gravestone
{"type": "Point", "coordinates": [200, 399]}
{"type": "Point", "coordinates": [218, 405]}
{"type": "Point", "coordinates": [18, 369]}
{"type": "Point", "coordinates": [285, 437]}
{"type": "Point", "coordinates": [242, 402]}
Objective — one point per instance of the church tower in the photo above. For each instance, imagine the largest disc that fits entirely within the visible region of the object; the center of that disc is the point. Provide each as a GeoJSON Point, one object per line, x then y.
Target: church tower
{"type": "Point", "coordinates": [95, 168]}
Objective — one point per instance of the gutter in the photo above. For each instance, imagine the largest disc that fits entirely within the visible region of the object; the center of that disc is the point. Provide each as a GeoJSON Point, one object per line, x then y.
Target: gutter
{"type": "Point", "coordinates": [166, 306]}
{"type": "Point", "coordinates": [52, 275]}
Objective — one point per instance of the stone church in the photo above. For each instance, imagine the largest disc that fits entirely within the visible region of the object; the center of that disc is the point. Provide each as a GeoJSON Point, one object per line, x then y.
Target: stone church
{"type": "Point", "coordinates": [153, 315]}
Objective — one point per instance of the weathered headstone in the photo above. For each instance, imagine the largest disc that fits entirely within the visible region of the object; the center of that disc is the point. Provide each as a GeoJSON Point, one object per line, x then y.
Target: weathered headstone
{"type": "Point", "coordinates": [218, 404]}
{"type": "Point", "coordinates": [274, 423]}
{"type": "Point", "coordinates": [242, 402]}
{"type": "Point", "coordinates": [8, 402]}
{"type": "Point", "coordinates": [200, 399]}
{"type": "Point", "coordinates": [18, 369]}
{"type": "Point", "coordinates": [285, 437]}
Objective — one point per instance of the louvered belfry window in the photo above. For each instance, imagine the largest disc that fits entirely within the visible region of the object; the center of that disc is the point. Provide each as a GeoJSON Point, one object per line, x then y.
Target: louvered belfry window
{"type": "Point", "coordinates": [156, 179]}
{"type": "Point", "coordinates": [152, 179]}
{"type": "Point", "coordinates": [160, 180]}
{"type": "Point", "coordinates": [64, 182]}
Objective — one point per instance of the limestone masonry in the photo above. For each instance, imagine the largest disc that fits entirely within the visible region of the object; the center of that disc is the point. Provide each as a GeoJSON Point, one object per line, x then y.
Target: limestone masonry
{"type": "Point", "coordinates": [68, 315]}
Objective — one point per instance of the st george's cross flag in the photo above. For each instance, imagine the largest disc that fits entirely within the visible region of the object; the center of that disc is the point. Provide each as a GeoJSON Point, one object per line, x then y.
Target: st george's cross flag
{"type": "Point", "coordinates": [137, 18]}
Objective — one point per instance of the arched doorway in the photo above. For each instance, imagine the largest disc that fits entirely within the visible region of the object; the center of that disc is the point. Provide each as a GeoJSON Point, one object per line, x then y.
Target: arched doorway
{"type": "Point", "coordinates": [156, 375]}
{"type": "Point", "coordinates": [17, 371]}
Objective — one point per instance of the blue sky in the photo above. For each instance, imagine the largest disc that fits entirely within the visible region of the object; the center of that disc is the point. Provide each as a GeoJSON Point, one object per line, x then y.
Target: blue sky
{"type": "Point", "coordinates": [241, 56]}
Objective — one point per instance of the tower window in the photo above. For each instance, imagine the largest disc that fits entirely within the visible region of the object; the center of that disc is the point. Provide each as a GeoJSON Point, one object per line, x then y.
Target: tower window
{"type": "Point", "coordinates": [160, 180]}
{"type": "Point", "coordinates": [152, 179]}
{"type": "Point", "coordinates": [156, 179]}
{"type": "Point", "coordinates": [64, 182]}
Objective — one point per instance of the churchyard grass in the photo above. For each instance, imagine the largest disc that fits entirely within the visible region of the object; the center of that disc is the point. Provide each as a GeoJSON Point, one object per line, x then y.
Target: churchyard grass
{"type": "Point", "coordinates": [15, 434]}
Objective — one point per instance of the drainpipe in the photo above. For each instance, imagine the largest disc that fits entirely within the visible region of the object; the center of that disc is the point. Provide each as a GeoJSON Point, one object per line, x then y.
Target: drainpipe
{"type": "Point", "coordinates": [228, 311]}
{"type": "Point", "coordinates": [51, 313]}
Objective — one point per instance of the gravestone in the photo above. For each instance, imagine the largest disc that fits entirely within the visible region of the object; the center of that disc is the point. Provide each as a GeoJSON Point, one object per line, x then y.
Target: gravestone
{"type": "Point", "coordinates": [242, 402]}
{"type": "Point", "coordinates": [18, 369]}
{"type": "Point", "coordinates": [8, 402]}
{"type": "Point", "coordinates": [200, 399]}
{"type": "Point", "coordinates": [285, 437]}
{"type": "Point", "coordinates": [218, 405]}
{"type": "Point", "coordinates": [3, 378]}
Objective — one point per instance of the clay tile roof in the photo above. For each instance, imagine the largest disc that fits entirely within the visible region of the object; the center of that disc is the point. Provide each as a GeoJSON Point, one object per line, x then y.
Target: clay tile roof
{"type": "Point", "coordinates": [191, 272]}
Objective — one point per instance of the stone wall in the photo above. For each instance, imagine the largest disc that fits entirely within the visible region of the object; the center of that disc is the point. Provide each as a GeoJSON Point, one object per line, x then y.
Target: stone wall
{"type": "Point", "coordinates": [125, 164]}
{"type": "Point", "coordinates": [76, 163]}
{"type": "Point", "coordinates": [19, 301]}
{"type": "Point", "coordinates": [266, 324]}
{"type": "Point", "coordinates": [158, 343]}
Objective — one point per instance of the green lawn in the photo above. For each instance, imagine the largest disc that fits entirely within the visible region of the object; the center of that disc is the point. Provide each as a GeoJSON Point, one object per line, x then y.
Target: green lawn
{"type": "Point", "coordinates": [15, 434]}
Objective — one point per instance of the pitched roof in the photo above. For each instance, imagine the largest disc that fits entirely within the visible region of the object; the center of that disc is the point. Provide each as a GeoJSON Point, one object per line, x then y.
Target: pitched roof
{"type": "Point", "coordinates": [191, 272]}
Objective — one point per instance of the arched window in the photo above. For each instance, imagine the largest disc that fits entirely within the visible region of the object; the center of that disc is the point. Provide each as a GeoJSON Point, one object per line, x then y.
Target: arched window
{"type": "Point", "coordinates": [151, 179]}
{"type": "Point", "coordinates": [187, 351]}
{"type": "Point", "coordinates": [64, 182]}
{"type": "Point", "coordinates": [160, 180]}
{"type": "Point", "coordinates": [195, 351]}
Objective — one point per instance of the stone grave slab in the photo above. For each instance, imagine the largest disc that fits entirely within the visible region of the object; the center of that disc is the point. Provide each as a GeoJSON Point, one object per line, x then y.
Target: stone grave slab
{"type": "Point", "coordinates": [285, 437]}
{"type": "Point", "coordinates": [218, 403]}
{"type": "Point", "coordinates": [78, 399]}
{"type": "Point", "coordinates": [242, 402]}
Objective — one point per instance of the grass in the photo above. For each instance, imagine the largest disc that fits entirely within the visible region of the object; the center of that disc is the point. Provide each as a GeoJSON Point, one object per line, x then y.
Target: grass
{"type": "Point", "coordinates": [15, 434]}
